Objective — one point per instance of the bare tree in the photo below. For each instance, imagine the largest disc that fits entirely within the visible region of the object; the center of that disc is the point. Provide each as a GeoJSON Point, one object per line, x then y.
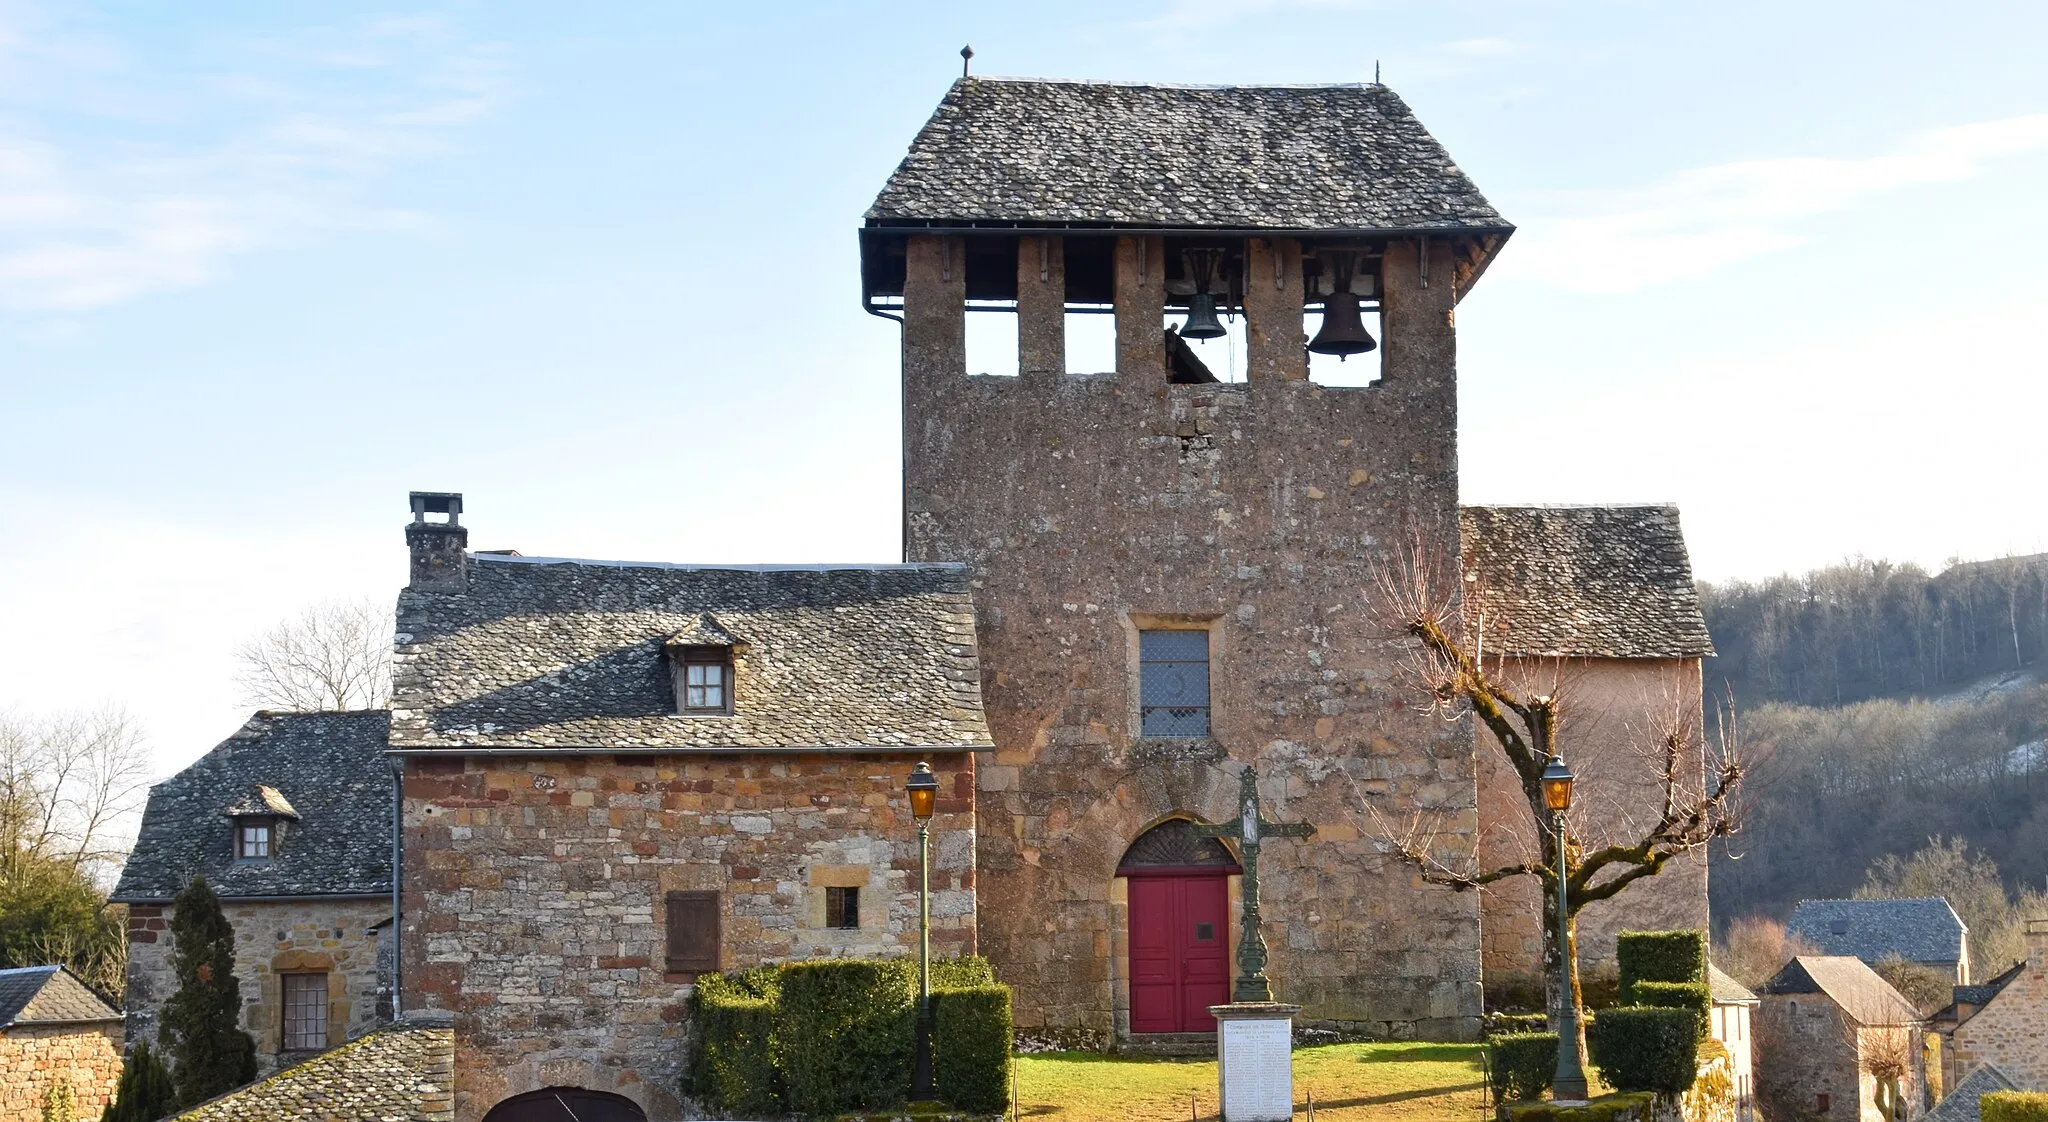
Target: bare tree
{"type": "Point", "coordinates": [332, 656]}
{"type": "Point", "coordinates": [67, 784]}
{"type": "Point", "coordinates": [1887, 1049]}
{"type": "Point", "coordinates": [1755, 948]}
{"type": "Point", "coordinates": [1696, 805]}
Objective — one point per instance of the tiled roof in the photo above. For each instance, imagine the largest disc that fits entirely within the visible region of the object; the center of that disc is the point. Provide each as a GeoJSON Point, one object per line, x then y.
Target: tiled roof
{"type": "Point", "coordinates": [1582, 581]}
{"type": "Point", "coordinates": [1961, 1103]}
{"type": "Point", "coordinates": [1923, 929]}
{"type": "Point", "coordinates": [402, 1073]}
{"type": "Point", "coordinates": [334, 768]}
{"type": "Point", "coordinates": [1037, 151]}
{"type": "Point", "coordinates": [49, 995]}
{"type": "Point", "coordinates": [543, 653]}
{"type": "Point", "coordinates": [1981, 993]}
{"type": "Point", "coordinates": [1726, 990]}
{"type": "Point", "coordinates": [259, 802]}
{"type": "Point", "coordinates": [1856, 988]}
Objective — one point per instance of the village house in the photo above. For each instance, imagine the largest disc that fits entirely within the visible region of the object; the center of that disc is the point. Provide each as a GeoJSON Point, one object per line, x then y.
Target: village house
{"type": "Point", "coordinates": [2002, 1022]}
{"type": "Point", "coordinates": [1733, 1016]}
{"type": "Point", "coordinates": [55, 1032]}
{"type": "Point", "coordinates": [1923, 930]}
{"type": "Point", "coordinates": [1822, 1023]}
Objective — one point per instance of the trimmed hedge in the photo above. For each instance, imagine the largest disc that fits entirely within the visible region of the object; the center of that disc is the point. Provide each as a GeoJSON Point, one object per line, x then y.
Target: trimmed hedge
{"type": "Point", "coordinates": [734, 1069]}
{"type": "Point", "coordinates": [844, 1032]}
{"type": "Point", "coordinates": [1645, 1048]}
{"type": "Point", "coordinates": [1659, 956]}
{"type": "Point", "coordinates": [1680, 995]}
{"type": "Point", "coordinates": [1522, 1063]}
{"type": "Point", "coordinates": [960, 972]}
{"type": "Point", "coordinates": [971, 1047]}
{"type": "Point", "coordinates": [2013, 1106]}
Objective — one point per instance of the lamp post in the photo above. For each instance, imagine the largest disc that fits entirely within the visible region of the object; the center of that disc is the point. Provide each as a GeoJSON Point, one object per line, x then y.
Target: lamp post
{"type": "Point", "coordinates": [1569, 1084]}
{"type": "Point", "coordinates": [923, 788]}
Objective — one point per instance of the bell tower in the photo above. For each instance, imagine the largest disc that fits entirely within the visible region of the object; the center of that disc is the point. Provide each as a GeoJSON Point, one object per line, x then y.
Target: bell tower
{"type": "Point", "coordinates": [1173, 574]}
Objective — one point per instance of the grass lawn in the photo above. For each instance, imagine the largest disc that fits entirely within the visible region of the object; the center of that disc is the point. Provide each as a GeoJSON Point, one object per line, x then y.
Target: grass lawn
{"type": "Point", "coordinates": [1350, 1082]}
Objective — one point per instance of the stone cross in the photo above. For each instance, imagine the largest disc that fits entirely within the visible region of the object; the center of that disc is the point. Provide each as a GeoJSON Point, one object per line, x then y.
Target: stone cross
{"type": "Point", "coordinates": [1249, 829]}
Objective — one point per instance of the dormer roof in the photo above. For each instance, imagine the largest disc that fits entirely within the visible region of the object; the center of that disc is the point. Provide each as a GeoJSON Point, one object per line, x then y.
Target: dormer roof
{"type": "Point", "coordinates": [705, 631]}
{"type": "Point", "coordinates": [261, 802]}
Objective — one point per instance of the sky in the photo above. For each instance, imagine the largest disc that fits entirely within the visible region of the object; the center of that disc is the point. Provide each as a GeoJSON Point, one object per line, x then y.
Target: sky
{"type": "Point", "coordinates": [265, 267]}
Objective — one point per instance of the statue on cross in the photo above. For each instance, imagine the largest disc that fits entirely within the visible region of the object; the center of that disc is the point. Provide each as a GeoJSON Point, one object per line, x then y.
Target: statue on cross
{"type": "Point", "coordinates": [1249, 830]}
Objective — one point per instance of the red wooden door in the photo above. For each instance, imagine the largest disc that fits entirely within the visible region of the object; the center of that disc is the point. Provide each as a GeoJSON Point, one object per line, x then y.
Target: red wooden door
{"type": "Point", "coordinates": [1180, 951]}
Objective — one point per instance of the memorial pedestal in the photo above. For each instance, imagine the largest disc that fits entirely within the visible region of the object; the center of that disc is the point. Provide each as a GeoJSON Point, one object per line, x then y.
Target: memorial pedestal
{"type": "Point", "coordinates": [1255, 1060]}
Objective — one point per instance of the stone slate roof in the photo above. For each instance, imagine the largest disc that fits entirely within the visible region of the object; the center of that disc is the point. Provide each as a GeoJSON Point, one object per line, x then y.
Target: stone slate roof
{"type": "Point", "coordinates": [1726, 990]}
{"type": "Point", "coordinates": [1923, 929]}
{"type": "Point", "coordinates": [259, 802]}
{"type": "Point", "coordinates": [1981, 993]}
{"type": "Point", "coordinates": [1031, 151]}
{"type": "Point", "coordinates": [1845, 980]}
{"type": "Point", "coordinates": [547, 653]}
{"type": "Point", "coordinates": [1961, 1104]}
{"type": "Point", "coordinates": [49, 995]}
{"type": "Point", "coordinates": [332, 768]}
{"type": "Point", "coordinates": [401, 1073]}
{"type": "Point", "coordinates": [1582, 581]}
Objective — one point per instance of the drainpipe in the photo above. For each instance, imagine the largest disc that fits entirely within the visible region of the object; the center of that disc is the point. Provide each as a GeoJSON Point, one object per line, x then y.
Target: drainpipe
{"type": "Point", "coordinates": [397, 883]}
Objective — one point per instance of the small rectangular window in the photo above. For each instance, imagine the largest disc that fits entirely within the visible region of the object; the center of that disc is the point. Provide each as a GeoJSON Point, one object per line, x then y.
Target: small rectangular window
{"type": "Point", "coordinates": [1173, 683]}
{"type": "Point", "coordinates": [842, 908]}
{"type": "Point", "coordinates": [693, 936]}
{"type": "Point", "coordinates": [254, 843]}
{"type": "Point", "coordinates": [1821, 1102]}
{"type": "Point", "coordinates": [706, 683]}
{"type": "Point", "coordinates": [305, 1012]}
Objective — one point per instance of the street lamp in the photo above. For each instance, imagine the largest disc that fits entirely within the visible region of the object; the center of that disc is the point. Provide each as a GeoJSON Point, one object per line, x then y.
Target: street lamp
{"type": "Point", "coordinates": [923, 788]}
{"type": "Point", "coordinates": [1569, 1084]}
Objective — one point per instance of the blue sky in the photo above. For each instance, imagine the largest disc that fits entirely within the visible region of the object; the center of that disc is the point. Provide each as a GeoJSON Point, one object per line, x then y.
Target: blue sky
{"type": "Point", "coordinates": [265, 267]}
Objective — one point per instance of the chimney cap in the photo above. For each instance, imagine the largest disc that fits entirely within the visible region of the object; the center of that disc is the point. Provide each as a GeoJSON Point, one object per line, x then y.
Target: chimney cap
{"type": "Point", "coordinates": [437, 502]}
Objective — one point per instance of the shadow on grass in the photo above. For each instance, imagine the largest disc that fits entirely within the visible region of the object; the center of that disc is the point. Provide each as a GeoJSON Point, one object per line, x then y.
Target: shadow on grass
{"type": "Point", "coordinates": [1422, 1053]}
{"type": "Point", "coordinates": [1394, 1096]}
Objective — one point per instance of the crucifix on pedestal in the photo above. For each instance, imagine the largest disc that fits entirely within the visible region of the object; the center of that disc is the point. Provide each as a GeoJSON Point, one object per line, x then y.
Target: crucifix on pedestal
{"type": "Point", "coordinates": [1249, 829]}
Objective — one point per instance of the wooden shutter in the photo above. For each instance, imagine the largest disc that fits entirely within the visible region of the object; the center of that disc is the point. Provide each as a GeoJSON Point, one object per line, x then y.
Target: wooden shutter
{"type": "Point", "coordinates": [693, 941]}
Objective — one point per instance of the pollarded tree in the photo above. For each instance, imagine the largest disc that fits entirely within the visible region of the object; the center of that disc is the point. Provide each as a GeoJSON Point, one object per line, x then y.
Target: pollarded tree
{"type": "Point", "coordinates": [210, 1054]}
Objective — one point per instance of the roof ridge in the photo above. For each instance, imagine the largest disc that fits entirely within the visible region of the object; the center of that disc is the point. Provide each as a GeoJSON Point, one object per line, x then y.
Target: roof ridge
{"type": "Point", "coordinates": [821, 567]}
{"type": "Point", "coordinates": [1026, 79]}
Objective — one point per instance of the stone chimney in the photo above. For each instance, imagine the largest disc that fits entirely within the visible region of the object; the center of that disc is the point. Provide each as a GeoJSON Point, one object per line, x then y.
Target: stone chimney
{"type": "Point", "coordinates": [440, 550]}
{"type": "Point", "coordinates": [2037, 944]}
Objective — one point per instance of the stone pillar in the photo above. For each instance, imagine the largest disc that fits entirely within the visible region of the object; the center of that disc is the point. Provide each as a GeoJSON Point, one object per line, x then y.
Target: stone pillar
{"type": "Point", "coordinates": [1255, 1061]}
{"type": "Point", "coordinates": [934, 308]}
{"type": "Point", "coordinates": [1141, 307]}
{"type": "Point", "coordinates": [1041, 306]}
{"type": "Point", "coordinates": [1276, 347]}
{"type": "Point", "coordinates": [1418, 314]}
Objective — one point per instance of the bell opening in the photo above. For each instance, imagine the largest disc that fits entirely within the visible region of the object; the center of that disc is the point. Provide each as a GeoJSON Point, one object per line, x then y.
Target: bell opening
{"type": "Point", "coordinates": [1339, 369]}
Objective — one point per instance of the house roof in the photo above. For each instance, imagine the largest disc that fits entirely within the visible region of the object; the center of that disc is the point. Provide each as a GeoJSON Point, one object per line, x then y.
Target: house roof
{"type": "Point", "coordinates": [550, 653]}
{"type": "Point", "coordinates": [1726, 990]}
{"type": "Point", "coordinates": [1850, 984]}
{"type": "Point", "coordinates": [49, 995]}
{"type": "Point", "coordinates": [1921, 929]}
{"type": "Point", "coordinates": [1582, 581]}
{"type": "Point", "coordinates": [340, 844]}
{"type": "Point", "coordinates": [261, 802]}
{"type": "Point", "coordinates": [406, 1070]}
{"type": "Point", "coordinates": [1034, 151]}
{"type": "Point", "coordinates": [1961, 1103]}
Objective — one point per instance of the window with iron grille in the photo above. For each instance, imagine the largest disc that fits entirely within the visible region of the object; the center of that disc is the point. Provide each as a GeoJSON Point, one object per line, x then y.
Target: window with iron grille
{"type": "Point", "coordinates": [1173, 683]}
{"type": "Point", "coordinates": [705, 680]}
{"type": "Point", "coordinates": [305, 1012]}
{"type": "Point", "coordinates": [842, 908]}
{"type": "Point", "coordinates": [252, 841]}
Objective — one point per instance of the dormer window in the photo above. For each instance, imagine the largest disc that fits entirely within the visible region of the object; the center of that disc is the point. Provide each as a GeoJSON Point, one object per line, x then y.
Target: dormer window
{"type": "Point", "coordinates": [252, 841]}
{"type": "Point", "coordinates": [258, 820]}
{"type": "Point", "coordinates": [706, 680]}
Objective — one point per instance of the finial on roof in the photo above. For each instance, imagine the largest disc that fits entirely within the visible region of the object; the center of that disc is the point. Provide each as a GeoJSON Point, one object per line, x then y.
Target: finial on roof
{"type": "Point", "coordinates": [1375, 72]}
{"type": "Point", "coordinates": [966, 58]}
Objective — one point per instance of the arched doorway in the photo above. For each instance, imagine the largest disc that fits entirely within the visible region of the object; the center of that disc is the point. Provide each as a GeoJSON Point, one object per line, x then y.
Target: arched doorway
{"type": "Point", "coordinates": [1179, 907]}
{"type": "Point", "coordinates": [565, 1104]}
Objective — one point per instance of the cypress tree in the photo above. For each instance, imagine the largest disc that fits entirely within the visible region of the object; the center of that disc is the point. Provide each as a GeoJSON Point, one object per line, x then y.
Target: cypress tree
{"type": "Point", "coordinates": [145, 1093]}
{"type": "Point", "coordinates": [210, 1053]}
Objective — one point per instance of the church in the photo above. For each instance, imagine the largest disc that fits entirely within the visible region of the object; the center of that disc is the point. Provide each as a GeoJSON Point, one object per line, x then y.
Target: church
{"type": "Point", "coordinates": [1120, 591]}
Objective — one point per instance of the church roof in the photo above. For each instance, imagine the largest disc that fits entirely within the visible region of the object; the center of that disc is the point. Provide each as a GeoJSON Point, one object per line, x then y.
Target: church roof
{"type": "Point", "coordinates": [49, 995]}
{"type": "Point", "coordinates": [1845, 980]}
{"type": "Point", "coordinates": [339, 844]}
{"type": "Point", "coordinates": [1034, 151]}
{"type": "Point", "coordinates": [1920, 929]}
{"type": "Point", "coordinates": [1582, 581]}
{"type": "Point", "coordinates": [546, 653]}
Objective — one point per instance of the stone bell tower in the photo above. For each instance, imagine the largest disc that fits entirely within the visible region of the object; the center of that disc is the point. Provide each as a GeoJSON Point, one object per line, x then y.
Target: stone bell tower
{"type": "Point", "coordinates": [1175, 576]}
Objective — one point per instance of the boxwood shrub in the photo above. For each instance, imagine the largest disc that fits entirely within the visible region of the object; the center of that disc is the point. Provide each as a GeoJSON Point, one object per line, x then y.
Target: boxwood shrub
{"type": "Point", "coordinates": [1659, 956]}
{"type": "Point", "coordinates": [844, 1031]}
{"type": "Point", "coordinates": [959, 972]}
{"type": "Point", "coordinates": [1522, 1063]}
{"type": "Point", "coordinates": [1645, 1048]}
{"type": "Point", "coordinates": [734, 1067]}
{"type": "Point", "coordinates": [2013, 1106]}
{"type": "Point", "coordinates": [971, 1047]}
{"type": "Point", "coordinates": [1679, 995]}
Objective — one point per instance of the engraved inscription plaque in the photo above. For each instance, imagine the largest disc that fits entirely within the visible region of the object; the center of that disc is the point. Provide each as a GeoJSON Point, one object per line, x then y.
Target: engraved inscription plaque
{"type": "Point", "coordinates": [1257, 1069]}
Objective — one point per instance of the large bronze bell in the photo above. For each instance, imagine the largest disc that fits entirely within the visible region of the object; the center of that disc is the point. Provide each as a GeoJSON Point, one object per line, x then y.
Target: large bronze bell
{"type": "Point", "coordinates": [1343, 332]}
{"type": "Point", "coordinates": [1202, 322]}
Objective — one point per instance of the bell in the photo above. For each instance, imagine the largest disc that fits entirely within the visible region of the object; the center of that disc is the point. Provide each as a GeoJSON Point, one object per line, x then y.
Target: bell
{"type": "Point", "coordinates": [1202, 322]}
{"type": "Point", "coordinates": [1343, 331]}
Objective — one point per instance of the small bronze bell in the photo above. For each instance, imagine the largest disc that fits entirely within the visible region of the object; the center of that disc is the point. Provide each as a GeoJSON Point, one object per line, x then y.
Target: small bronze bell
{"type": "Point", "coordinates": [1343, 332]}
{"type": "Point", "coordinates": [1202, 322]}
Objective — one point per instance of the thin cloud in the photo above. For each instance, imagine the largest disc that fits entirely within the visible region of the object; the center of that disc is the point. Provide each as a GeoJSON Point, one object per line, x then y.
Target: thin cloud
{"type": "Point", "coordinates": [1705, 219]}
{"type": "Point", "coordinates": [261, 144]}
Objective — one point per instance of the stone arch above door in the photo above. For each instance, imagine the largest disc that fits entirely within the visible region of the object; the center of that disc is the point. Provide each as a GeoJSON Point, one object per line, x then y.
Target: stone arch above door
{"type": "Point", "coordinates": [1175, 845]}
{"type": "Point", "coordinates": [566, 1104]}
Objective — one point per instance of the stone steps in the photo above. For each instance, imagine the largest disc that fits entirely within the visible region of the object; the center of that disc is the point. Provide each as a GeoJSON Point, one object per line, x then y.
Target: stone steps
{"type": "Point", "coordinates": [1172, 1044]}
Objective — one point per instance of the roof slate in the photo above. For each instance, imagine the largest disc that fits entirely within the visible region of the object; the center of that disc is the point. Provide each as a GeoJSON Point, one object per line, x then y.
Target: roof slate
{"type": "Point", "coordinates": [545, 653]}
{"type": "Point", "coordinates": [1582, 581]}
{"type": "Point", "coordinates": [1962, 1103]}
{"type": "Point", "coordinates": [1726, 990]}
{"type": "Point", "coordinates": [49, 995]}
{"type": "Point", "coordinates": [403, 1071]}
{"type": "Point", "coordinates": [1042, 151]}
{"type": "Point", "coordinates": [1846, 981]}
{"type": "Point", "coordinates": [1922, 929]}
{"type": "Point", "coordinates": [332, 763]}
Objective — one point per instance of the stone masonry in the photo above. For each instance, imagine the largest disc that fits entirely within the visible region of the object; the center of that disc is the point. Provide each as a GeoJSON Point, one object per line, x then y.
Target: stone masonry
{"type": "Point", "coordinates": [2012, 1029]}
{"type": "Point", "coordinates": [34, 1058]}
{"type": "Point", "coordinates": [534, 888]}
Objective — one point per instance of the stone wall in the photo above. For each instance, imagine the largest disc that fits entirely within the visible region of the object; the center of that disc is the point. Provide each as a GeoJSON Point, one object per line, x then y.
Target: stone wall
{"type": "Point", "coordinates": [534, 886]}
{"type": "Point", "coordinates": [35, 1058]}
{"type": "Point", "coordinates": [1093, 505]}
{"type": "Point", "coordinates": [1804, 1049]}
{"type": "Point", "coordinates": [2011, 1031]}
{"type": "Point", "coordinates": [338, 937]}
{"type": "Point", "coordinates": [1614, 712]}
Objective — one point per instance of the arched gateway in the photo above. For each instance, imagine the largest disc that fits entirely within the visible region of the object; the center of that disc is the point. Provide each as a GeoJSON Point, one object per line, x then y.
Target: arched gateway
{"type": "Point", "coordinates": [566, 1104]}
{"type": "Point", "coordinates": [1179, 900]}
